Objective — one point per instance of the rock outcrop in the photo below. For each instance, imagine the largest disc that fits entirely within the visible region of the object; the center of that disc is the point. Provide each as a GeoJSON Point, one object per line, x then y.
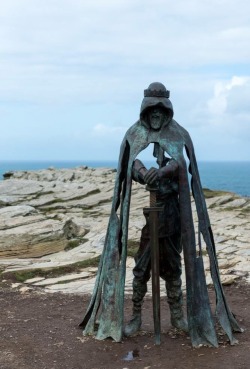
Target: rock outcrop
{"type": "Point", "coordinates": [41, 211]}
{"type": "Point", "coordinates": [57, 217]}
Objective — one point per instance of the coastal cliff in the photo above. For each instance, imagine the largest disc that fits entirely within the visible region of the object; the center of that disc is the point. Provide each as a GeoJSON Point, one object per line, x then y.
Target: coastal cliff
{"type": "Point", "coordinates": [55, 217]}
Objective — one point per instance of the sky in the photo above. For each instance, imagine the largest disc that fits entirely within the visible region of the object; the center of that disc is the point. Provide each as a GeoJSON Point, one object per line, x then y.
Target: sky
{"type": "Point", "coordinates": [73, 72]}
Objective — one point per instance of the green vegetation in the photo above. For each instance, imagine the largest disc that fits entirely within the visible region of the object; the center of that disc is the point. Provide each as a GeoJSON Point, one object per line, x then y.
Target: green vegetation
{"type": "Point", "coordinates": [229, 208]}
{"type": "Point", "coordinates": [245, 210]}
{"type": "Point", "coordinates": [74, 243]}
{"type": "Point", "coordinates": [203, 252]}
{"type": "Point", "coordinates": [132, 247]}
{"type": "Point", "coordinates": [23, 275]}
{"type": "Point", "coordinates": [214, 193]}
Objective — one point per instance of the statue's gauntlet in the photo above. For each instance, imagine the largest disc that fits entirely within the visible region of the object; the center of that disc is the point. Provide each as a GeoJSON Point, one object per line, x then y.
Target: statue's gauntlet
{"type": "Point", "coordinates": [139, 171]}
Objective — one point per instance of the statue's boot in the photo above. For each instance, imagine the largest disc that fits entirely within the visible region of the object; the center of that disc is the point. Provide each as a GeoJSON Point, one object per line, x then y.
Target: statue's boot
{"type": "Point", "coordinates": [174, 295]}
{"type": "Point", "coordinates": [139, 291]}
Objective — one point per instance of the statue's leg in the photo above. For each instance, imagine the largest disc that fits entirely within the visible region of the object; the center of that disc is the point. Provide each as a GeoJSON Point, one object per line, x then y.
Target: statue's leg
{"type": "Point", "coordinates": [141, 276]}
{"type": "Point", "coordinates": [139, 291]}
{"type": "Point", "coordinates": [170, 270]}
{"type": "Point", "coordinates": [174, 294]}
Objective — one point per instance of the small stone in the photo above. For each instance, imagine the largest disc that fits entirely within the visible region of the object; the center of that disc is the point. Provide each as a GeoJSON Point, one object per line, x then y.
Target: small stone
{"type": "Point", "coordinates": [24, 289]}
{"type": "Point", "coordinates": [228, 279]}
{"type": "Point", "coordinates": [93, 269]}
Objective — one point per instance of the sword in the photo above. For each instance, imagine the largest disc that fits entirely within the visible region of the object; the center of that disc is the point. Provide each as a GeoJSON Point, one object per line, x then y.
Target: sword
{"type": "Point", "coordinates": [152, 212]}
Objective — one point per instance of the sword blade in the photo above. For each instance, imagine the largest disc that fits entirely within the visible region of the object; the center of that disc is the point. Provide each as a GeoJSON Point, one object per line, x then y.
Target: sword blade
{"type": "Point", "coordinates": [154, 244]}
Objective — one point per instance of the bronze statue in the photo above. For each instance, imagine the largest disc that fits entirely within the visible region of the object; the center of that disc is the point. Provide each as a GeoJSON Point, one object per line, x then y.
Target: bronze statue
{"type": "Point", "coordinates": [165, 180]}
{"type": "Point", "coordinates": [175, 231]}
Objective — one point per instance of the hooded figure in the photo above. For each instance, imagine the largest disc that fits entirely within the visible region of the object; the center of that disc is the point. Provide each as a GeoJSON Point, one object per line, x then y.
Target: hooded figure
{"type": "Point", "coordinates": [156, 125]}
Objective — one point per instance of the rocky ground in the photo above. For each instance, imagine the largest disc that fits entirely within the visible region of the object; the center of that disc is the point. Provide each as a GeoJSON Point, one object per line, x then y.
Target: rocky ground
{"type": "Point", "coordinates": [52, 228]}
{"type": "Point", "coordinates": [54, 218]}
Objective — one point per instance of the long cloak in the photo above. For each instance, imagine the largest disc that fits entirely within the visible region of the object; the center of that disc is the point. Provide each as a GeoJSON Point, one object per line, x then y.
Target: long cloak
{"type": "Point", "coordinates": [107, 302]}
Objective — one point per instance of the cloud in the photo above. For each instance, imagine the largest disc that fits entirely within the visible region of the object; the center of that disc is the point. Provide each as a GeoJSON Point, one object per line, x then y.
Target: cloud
{"type": "Point", "coordinates": [231, 99]}
{"type": "Point", "coordinates": [222, 124]}
{"type": "Point", "coordinates": [59, 50]}
{"type": "Point", "coordinates": [90, 60]}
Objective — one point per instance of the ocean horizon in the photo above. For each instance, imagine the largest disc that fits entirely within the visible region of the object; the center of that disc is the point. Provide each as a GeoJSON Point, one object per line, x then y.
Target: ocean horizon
{"type": "Point", "coordinates": [228, 176]}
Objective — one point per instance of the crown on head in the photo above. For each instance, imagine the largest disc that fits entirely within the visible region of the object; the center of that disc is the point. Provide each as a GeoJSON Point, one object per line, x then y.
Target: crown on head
{"type": "Point", "coordinates": [156, 93]}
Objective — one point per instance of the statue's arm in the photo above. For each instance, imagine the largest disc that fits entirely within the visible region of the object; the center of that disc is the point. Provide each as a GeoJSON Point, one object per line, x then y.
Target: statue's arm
{"type": "Point", "coordinates": [169, 171]}
{"type": "Point", "coordinates": [142, 175]}
{"type": "Point", "coordinates": [139, 171]}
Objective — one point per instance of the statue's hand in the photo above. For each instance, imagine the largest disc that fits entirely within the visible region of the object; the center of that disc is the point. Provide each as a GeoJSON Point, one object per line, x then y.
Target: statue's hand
{"type": "Point", "coordinates": [152, 176]}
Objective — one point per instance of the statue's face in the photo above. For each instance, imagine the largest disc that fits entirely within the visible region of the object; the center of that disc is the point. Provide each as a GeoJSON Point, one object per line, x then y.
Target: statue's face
{"type": "Point", "coordinates": [156, 117]}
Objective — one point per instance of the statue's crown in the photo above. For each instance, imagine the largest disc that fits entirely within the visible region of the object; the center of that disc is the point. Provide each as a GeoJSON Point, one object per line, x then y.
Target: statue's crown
{"type": "Point", "coordinates": [156, 89]}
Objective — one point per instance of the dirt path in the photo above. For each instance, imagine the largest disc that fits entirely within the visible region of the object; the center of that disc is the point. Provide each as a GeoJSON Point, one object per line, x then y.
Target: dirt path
{"type": "Point", "coordinates": [40, 331]}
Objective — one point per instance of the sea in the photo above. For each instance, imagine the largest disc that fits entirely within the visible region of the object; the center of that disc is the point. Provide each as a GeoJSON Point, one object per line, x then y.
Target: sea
{"type": "Point", "coordinates": [228, 176]}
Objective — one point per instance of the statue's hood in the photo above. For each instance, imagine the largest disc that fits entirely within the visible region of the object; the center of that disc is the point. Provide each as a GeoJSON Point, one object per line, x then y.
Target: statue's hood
{"type": "Point", "coordinates": [149, 102]}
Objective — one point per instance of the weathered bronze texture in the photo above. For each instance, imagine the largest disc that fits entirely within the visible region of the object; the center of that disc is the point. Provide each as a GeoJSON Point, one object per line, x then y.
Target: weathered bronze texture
{"type": "Point", "coordinates": [175, 231]}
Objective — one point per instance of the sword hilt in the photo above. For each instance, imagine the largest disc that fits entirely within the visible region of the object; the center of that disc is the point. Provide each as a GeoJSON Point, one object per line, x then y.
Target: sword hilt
{"type": "Point", "coordinates": [152, 195]}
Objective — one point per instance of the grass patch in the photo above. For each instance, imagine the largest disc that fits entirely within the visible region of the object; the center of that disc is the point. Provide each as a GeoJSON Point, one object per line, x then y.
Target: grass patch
{"type": "Point", "coordinates": [203, 252]}
{"type": "Point", "coordinates": [75, 243]}
{"type": "Point", "coordinates": [214, 193]}
{"type": "Point", "coordinates": [132, 248]}
{"type": "Point", "coordinates": [230, 208]}
{"type": "Point", "coordinates": [245, 210]}
{"type": "Point", "coordinates": [22, 276]}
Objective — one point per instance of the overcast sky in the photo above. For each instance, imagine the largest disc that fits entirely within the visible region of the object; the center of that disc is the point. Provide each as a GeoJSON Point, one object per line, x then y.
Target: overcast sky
{"type": "Point", "coordinates": [72, 74]}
